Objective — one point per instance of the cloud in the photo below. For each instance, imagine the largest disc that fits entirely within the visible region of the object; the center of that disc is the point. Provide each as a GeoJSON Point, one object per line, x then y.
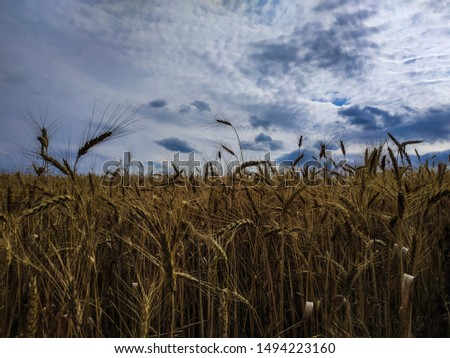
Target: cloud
{"type": "Point", "coordinates": [262, 142]}
{"type": "Point", "coordinates": [343, 48]}
{"type": "Point", "coordinates": [201, 106]}
{"type": "Point", "coordinates": [273, 57]}
{"type": "Point", "coordinates": [369, 118]}
{"type": "Point", "coordinates": [179, 115]}
{"type": "Point", "coordinates": [329, 5]}
{"type": "Point", "coordinates": [184, 109]}
{"type": "Point", "coordinates": [263, 138]}
{"type": "Point", "coordinates": [158, 103]}
{"type": "Point", "coordinates": [431, 125]}
{"type": "Point", "coordinates": [176, 145]}
{"type": "Point", "coordinates": [257, 122]}
{"type": "Point", "coordinates": [277, 115]}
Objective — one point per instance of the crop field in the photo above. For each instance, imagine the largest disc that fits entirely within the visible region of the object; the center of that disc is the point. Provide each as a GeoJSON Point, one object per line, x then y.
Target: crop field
{"type": "Point", "coordinates": [259, 252]}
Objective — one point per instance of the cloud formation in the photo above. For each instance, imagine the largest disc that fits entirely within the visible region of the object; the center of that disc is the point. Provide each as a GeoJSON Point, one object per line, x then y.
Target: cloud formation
{"type": "Point", "coordinates": [158, 103]}
{"type": "Point", "coordinates": [370, 118]}
{"type": "Point", "coordinates": [176, 145]}
{"type": "Point", "coordinates": [431, 125]}
{"type": "Point", "coordinates": [344, 47]}
{"type": "Point", "coordinates": [262, 142]}
{"type": "Point", "coordinates": [202, 106]}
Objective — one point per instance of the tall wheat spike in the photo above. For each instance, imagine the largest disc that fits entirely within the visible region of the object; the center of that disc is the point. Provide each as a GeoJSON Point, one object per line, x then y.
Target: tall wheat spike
{"type": "Point", "coordinates": [33, 308]}
{"type": "Point", "coordinates": [394, 164]}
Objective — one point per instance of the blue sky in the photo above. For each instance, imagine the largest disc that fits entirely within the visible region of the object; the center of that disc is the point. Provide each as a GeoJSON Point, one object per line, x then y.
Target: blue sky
{"type": "Point", "coordinates": [277, 69]}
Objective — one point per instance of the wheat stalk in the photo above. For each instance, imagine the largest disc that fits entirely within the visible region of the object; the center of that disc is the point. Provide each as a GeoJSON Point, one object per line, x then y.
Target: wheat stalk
{"type": "Point", "coordinates": [221, 120]}
{"type": "Point", "coordinates": [400, 204]}
{"type": "Point", "coordinates": [33, 308]}
{"type": "Point", "coordinates": [144, 317]}
{"type": "Point", "coordinates": [394, 164]}
{"type": "Point", "coordinates": [223, 314]}
{"type": "Point", "coordinates": [61, 167]}
{"type": "Point", "coordinates": [308, 311]}
{"type": "Point", "coordinates": [75, 310]}
{"type": "Point", "coordinates": [233, 226]}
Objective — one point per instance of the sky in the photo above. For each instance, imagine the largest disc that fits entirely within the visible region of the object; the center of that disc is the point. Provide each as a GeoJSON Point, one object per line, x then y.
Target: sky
{"type": "Point", "coordinates": [277, 69]}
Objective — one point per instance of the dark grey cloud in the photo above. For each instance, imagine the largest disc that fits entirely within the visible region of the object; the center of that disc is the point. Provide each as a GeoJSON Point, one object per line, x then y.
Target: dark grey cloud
{"type": "Point", "coordinates": [261, 137]}
{"type": "Point", "coordinates": [181, 115]}
{"type": "Point", "coordinates": [201, 106]}
{"type": "Point", "coordinates": [262, 142]}
{"type": "Point", "coordinates": [329, 5]}
{"type": "Point", "coordinates": [354, 20]}
{"type": "Point", "coordinates": [430, 125]}
{"type": "Point", "coordinates": [344, 48]}
{"type": "Point", "coordinates": [370, 118]}
{"type": "Point", "coordinates": [158, 103]}
{"type": "Point", "coordinates": [275, 145]}
{"type": "Point", "coordinates": [257, 122]}
{"type": "Point", "coordinates": [176, 145]}
{"type": "Point", "coordinates": [275, 116]}
{"type": "Point", "coordinates": [184, 109]}
{"type": "Point", "coordinates": [273, 57]}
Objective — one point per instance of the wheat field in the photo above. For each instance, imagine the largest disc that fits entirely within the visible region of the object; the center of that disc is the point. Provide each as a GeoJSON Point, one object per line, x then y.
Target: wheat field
{"type": "Point", "coordinates": [265, 255]}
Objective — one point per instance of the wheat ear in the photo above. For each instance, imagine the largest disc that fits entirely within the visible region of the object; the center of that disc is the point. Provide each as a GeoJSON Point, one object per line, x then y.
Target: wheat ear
{"type": "Point", "coordinates": [33, 308]}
